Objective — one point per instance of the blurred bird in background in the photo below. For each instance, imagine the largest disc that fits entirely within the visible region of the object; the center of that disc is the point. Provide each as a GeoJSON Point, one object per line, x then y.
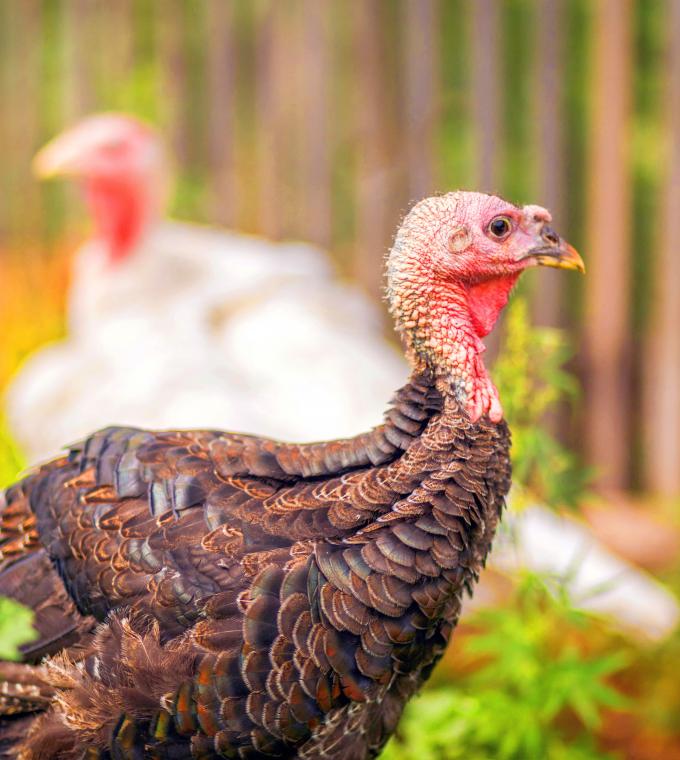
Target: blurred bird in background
{"type": "Point", "coordinates": [283, 347]}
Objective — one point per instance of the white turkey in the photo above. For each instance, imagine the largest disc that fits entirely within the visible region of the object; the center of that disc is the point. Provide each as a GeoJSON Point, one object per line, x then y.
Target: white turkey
{"type": "Point", "coordinates": [284, 348]}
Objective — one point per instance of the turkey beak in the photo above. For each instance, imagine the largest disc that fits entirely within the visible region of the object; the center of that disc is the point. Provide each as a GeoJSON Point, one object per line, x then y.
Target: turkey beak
{"type": "Point", "coordinates": [60, 157]}
{"type": "Point", "coordinates": [553, 251]}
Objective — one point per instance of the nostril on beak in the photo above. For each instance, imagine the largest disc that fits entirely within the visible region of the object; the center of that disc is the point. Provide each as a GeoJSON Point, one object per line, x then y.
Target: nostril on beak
{"type": "Point", "coordinates": [550, 236]}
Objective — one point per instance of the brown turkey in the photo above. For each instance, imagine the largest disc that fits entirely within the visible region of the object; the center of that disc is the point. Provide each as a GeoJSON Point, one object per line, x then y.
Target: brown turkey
{"type": "Point", "coordinates": [207, 594]}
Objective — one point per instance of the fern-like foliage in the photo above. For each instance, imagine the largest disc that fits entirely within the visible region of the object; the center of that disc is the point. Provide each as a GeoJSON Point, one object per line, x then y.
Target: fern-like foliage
{"type": "Point", "coordinates": [532, 380]}
{"type": "Point", "coordinates": [533, 695]}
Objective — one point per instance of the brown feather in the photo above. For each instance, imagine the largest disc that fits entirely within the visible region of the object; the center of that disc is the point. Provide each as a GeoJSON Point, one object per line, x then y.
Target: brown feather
{"type": "Point", "coordinates": [206, 592]}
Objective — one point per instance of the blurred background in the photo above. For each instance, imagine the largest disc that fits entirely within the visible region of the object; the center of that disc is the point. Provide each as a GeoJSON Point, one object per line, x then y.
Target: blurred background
{"type": "Point", "coordinates": [322, 121]}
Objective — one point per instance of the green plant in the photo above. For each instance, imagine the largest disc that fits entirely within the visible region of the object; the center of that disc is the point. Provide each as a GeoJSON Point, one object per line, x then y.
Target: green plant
{"type": "Point", "coordinates": [15, 620]}
{"type": "Point", "coordinates": [15, 628]}
{"type": "Point", "coordinates": [532, 380]}
{"type": "Point", "coordinates": [11, 459]}
{"type": "Point", "coordinates": [534, 695]}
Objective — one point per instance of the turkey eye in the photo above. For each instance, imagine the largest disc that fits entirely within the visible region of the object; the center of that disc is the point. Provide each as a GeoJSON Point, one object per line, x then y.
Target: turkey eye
{"type": "Point", "coordinates": [500, 227]}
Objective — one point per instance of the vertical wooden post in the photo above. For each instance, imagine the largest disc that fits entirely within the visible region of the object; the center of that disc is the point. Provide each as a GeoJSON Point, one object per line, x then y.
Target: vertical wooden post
{"type": "Point", "coordinates": [174, 79]}
{"type": "Point", "coordinates": [6, 68]}
{"type": "Point", "coordinates": [221, 76]}
{"type": "Point", "coordinates": [123, 19]}
{"type": "Point", "coordinates": [268, 121]}
{"type": "Point", "coordinates": [606, 325]}
{"type": "Point", "coordinates": [548, 293]}
{"type": "Point", "coordinates": [288, 71]}
{"type": "Point", "coordinates": [421, 96]}
{"type": "Point", "coordinates": [115, 35]}
{"type": "Point", "coordinates": [22, 202]}
{"type": "Point", "coordinates": [373, 193]}
{"type": "Point", "coordinates": [486, 92]}
{"type": "Point", "coordinates": [661, 421]}
{"type": "Point", "coordinates": [315, 127]}
{"type": "Point", "coordinates": [78, 77]}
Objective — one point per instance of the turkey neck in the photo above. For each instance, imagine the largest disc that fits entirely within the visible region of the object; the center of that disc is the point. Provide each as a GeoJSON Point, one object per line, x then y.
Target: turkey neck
{"type": "Point", "coordinates": [123, 209]}
{"type": "Point", "coordinates": [444, 333]}
{"type": "Point", "coordinates": [443, 321]}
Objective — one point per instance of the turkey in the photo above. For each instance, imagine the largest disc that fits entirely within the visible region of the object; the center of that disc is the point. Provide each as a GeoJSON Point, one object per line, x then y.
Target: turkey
{"type": "Point", "coordinates": [207, 594]}
{"type": "Point", "coordinates": [251, 313]}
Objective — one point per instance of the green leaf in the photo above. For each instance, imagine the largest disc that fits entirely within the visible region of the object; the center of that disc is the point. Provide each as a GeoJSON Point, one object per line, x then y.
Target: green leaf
{"type": "Point", "coordinates": [530, 674]}
{"type": "Point", "coordinates": [15, 628]}
{"type": "Point", "coordinates": [532, 381]}
{"type": "Point", "coordinates": [11, 459]}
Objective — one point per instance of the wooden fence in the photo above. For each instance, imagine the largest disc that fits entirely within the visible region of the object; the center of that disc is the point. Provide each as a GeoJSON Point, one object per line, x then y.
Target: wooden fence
{"type": "Point", "coordinates": [324, 119]}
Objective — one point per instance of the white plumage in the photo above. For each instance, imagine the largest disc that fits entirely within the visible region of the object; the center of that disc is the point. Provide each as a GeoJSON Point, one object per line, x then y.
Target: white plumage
{"type": "Point", "coordinates": [597, 579]}
{"type": "Point", "coordinates": [207, 329]}
{"type": "Point", "coordinates": [197, 327]}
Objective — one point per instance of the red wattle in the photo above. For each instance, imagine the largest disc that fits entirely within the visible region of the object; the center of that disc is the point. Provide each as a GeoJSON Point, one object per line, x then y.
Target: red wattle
{"type": "Point", "coordinates": [120, 213]}
{"type": "Point", "coordinates": [486, 301]}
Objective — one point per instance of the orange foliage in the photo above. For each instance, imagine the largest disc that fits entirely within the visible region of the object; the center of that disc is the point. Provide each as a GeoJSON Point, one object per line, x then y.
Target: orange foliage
{"type": "Point", "coordinates": [33, 290]}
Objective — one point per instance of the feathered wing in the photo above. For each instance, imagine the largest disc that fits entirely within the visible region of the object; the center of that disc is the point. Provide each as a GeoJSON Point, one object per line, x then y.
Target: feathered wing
{"type": "Point", "coordinates": [134, 518]}
{"type": "Point", "coordinates": [29, 576]}
{"type": "Point", "coordinates": [176, 525]}
{"type": "Point", "coordinates": [282, 583]}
